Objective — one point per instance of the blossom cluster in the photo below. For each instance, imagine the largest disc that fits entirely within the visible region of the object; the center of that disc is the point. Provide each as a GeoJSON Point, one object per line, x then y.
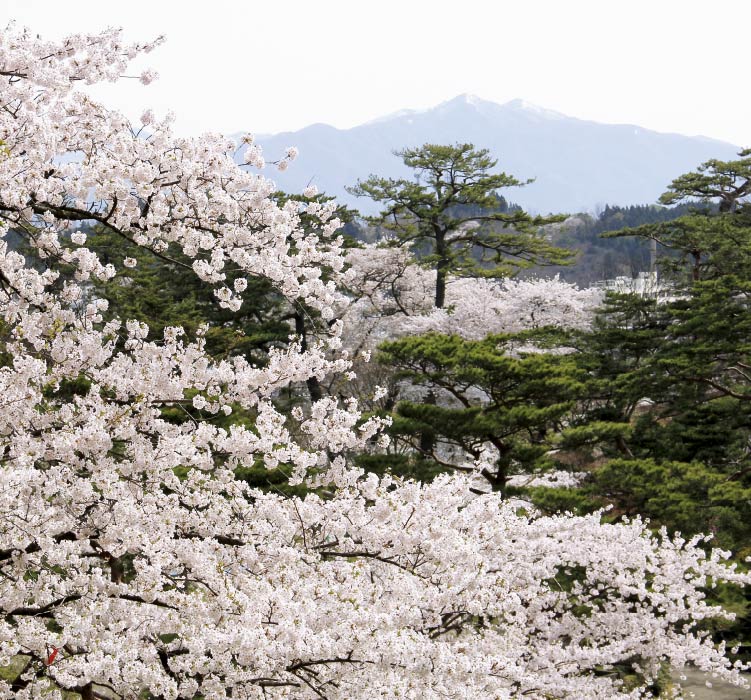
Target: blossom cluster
{"type": "Point", "coordinates": [393, 297]}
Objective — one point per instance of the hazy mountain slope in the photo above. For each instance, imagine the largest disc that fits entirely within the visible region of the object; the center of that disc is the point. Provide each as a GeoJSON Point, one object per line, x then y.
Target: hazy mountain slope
{"type": "Point", "coordinates": [577, 164]}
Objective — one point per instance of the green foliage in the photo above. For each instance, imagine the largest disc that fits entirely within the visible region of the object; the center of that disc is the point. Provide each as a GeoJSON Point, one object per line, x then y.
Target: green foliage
{"type": "Point", "coordinates": [684, 461]}
{"type": "Point", "coordinates": [724, 182]}
{"type": "Point", "coordinates": [561, 499]}
{"type": "Point", "coordinates": [714, 238]}
{"type": "Point", "coordinates": [163, 290]}
{"type": "Point", "coordinates": [687, 497]}
{"type": "Point", "coordinates": [628, 331]}
{"type": "Point", "coordinates": [714, 432]}
{"type": "Point", "coordinates": [6, 359]}
{"type": "Point", "coordinates": [407, 466]}
{"type": "Point", "coordinates": [490, 393]}
{"type": "Point", "coordinates": [275, 480]}
{"type": "Point", "coordinates": [708, 339]}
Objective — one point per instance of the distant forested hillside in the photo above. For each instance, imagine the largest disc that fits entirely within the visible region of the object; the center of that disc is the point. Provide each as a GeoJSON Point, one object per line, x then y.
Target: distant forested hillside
{"type": "Point", "coordinates": [600, 258]}
{"type": "Point", "coordinates": [597, 258]}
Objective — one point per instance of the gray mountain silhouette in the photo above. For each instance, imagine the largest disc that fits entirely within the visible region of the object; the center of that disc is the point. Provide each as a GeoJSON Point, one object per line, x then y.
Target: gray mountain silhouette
{"type": "Point", "coordinates": [578, 165]}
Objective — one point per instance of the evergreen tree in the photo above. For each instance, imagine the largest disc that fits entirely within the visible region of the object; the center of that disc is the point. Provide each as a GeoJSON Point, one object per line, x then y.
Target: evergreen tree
{"type": "Point", "coordinates": [147, 292]}
{"type": "Point", "coordinates": [491, 394]}
{"type": "Point", "coordinates": [670, 390]}
{"type": "Point", "coordinates": [713, 238]}
{"type": "Point", "coordinates": [452, 215]}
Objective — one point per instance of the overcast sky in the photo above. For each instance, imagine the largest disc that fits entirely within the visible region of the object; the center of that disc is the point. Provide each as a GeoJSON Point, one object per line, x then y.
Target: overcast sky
{"type": "Point", "coordinates": [278, 65]}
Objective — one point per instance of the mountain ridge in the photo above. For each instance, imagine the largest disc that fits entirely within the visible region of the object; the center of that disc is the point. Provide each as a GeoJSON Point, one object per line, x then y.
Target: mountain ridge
{"type": "Point", "coordinates": [577, 164]}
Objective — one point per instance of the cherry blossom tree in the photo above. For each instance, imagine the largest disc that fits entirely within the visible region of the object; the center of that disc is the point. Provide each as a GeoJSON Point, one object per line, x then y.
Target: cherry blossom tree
{"type": "Point", "coordinates": [391, 295]}
{"type": "Point", "coordinates": [480, 307]}
{"type": "Point", "coordinates": [134, 564]}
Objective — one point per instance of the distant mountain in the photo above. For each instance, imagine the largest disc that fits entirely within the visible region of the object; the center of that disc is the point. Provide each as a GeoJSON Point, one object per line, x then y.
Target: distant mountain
{"type": "Point", "coordinates": [578, 165]}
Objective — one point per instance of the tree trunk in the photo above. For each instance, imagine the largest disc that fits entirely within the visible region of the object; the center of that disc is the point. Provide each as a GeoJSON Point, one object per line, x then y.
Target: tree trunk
{"type": "Point", "coordinates": [427, 437]}
{"type": "Point", "coordinates": [696, 271]}
{"type": "Point", "coordinates": [441, 269]}
{"type": "Point", "coordinates": [116, 570]}
{"type": "Point", "coordinates": [314, 386]}
{"type": "Point", "coordinates": [440, 286]}
{"type": "Point", "coordinates": [499, 478]}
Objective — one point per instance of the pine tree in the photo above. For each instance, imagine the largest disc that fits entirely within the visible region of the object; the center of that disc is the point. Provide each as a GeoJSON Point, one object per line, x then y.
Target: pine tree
{"type": "Point", "coordinates": [491, 394]}
{"type": "Point", "coordinates": [452, 216]}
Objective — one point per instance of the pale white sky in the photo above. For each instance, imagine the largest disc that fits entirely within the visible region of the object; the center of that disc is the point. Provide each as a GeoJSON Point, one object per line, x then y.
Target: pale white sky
{"type": "Point", "coordinates": [278, 65]}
